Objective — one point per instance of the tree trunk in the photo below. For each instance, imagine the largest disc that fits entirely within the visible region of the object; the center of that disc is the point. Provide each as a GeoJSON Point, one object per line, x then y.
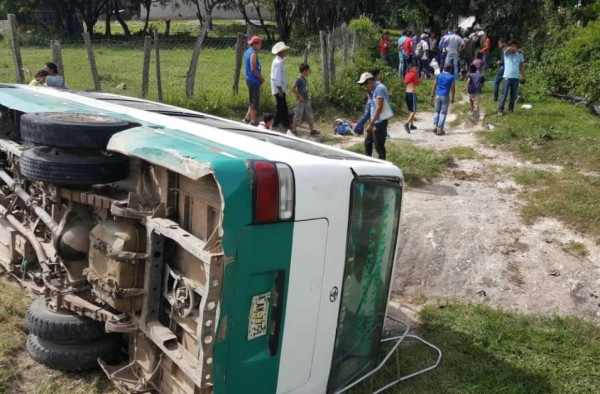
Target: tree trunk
{"type": "Point", "coordinates": [167, 27]}
{"type": "Point", "coordinates": [123, 24]}
{"type": "Point", "coordinates": [107, 32]}
{"type": "Point", "coordinates": [147, 18]}
{"type": "Point", "coordinates": [262, 22]}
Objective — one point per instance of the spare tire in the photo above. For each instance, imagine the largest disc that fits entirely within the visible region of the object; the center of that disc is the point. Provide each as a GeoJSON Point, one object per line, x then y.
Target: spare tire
{"type": "Point", "coordinates": [70, 130]}
{"type": "Point", "coordinates": [62, 326]}
{"type": "Point", "coordinates": [64, 167]}
{"type": "Point", "coordinates": [73, 358]}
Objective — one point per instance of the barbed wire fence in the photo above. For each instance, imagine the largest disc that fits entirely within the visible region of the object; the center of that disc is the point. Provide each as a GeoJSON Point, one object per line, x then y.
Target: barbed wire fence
{"type": "Point", "coordinates": [116, 62]}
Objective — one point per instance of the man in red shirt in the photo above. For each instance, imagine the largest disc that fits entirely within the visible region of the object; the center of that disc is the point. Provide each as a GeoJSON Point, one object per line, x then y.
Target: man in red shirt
{"type": "Point", "coordinates": [384, 48]}
{"type": "Point", "coordinates": [411, 80]}
{"type": "Point", "coordinates": [408, 47]}
{"type": "Point", "coordinates": [485, 51]}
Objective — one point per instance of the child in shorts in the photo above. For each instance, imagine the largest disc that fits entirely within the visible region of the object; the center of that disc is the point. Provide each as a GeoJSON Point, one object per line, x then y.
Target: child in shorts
{"type": "Point", "coordinates": [411, 80]}
{"type": "Point", "coordinates": [474, 87]}
{"type": "Point", "coordinates": [303, 110]}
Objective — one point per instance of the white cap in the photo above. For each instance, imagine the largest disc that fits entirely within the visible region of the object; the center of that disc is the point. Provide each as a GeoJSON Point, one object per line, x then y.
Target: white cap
{"type": "Point", "coordinates": [279, 47]}
{"type": "Point", "coordinates": [364, 77]}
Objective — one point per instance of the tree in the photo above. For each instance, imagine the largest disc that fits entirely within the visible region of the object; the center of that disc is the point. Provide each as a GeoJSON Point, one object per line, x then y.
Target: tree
{"type": "Point", "coordinates": [117, 8]}
{"type": "Point", "coordinates": [90, 11]}
{"type": "Point", "coordinates": [285, 13]}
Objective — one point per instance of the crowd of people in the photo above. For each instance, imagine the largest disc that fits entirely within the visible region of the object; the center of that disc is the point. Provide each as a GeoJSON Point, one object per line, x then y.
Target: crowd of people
{"type": "Point", "coordinates": [303, 112]}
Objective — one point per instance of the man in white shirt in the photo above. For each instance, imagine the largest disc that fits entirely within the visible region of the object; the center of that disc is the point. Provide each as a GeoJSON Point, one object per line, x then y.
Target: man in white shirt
{"type": "Point", "coordinates": [454, 44]}
{"type": "Point", "coordinates": [279, 85]}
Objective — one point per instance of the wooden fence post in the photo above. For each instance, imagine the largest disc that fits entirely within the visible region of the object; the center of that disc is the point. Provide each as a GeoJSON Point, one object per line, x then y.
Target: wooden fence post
{"type": "Point", "coordinates": [324, 61]}
{"type": "Point", "coordinates": [92, 60]}
{"type": "Point", "coordinates": [146, 67]}
{"type": "Point", "coordinates": [306, 52]}
{"type": "Point", "coordinates": [57, 57]}
{"type": "Point", "coordinates": [331, 44]}
{"type": "Point", "coordinates": [191, 74]}
{"type": "Point", "coordinates": [16, 50]}
{"type": "Point", "coordinates": [346, 42]}
{"type": "Point", "coordinates": [240, 47]}
{"type": "Point", "coordinates": [159, 90]}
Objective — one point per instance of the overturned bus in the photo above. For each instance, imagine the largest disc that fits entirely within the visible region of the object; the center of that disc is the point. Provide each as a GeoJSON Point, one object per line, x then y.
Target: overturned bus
{"type": "Point", "coordinates": [187, 253]}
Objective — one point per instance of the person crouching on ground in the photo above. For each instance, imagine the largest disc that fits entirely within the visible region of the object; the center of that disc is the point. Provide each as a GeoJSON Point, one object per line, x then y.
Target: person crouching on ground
{"type": "Point", "coordinates": [443, 88]}
{"type": "Point", "coordinates": [381, 111]}
{"type": "Point", "coordinates": [267, 121]}
{"type": "Point", "coordinates": [411, 80]}
{"type": "Point", "coordinates": [39, 79]}
{"type": "Point", "coordinates": [474, 87]}
{"type": "Point", "coordinates": [303, 110]}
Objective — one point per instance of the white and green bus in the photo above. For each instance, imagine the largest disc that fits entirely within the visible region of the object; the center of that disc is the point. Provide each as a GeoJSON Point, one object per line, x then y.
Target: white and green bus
{"type": "Point", "coordinates": [190, 253]}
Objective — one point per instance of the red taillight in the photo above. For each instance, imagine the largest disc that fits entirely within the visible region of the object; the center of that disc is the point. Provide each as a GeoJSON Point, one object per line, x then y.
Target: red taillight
{"type": "Point", "coordinates": [266, 200]}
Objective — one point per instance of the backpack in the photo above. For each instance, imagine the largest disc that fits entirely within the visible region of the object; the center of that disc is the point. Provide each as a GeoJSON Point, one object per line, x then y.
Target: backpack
{"type": "Point", "coordinates": [419, 51]}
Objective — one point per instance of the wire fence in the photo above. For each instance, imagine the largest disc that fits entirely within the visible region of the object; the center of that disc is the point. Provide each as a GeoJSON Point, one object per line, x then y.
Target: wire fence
{"type": "Point", "coordinates": [129, 66]}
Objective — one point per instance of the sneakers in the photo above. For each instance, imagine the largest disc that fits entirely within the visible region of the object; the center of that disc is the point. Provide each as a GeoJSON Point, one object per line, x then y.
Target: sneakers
{"type": "Point", "coordinates": [291, 133]}
{"type": "Point", "coordinates": [435, 130]}
{"type": "Point", "coordinates": [314, 133]}
{"type": "Point", "coordinates": [440, 132]}
{"type": "Point", "coordinates": [406, 128]}
{"type": "Point", "coordinates": [245, 121]}
{"type": "Point", "coordinates": [413, 127]}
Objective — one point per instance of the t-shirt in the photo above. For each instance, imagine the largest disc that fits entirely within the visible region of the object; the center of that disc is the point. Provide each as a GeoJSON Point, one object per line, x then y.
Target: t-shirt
{"type": "Point", "coordinates": [249, 76]}
{"type": "Point", "coordinates": [56, 81]}
{"type": "Point", "coordinates": [301, 84]}
{"type": "Point", "coordinates": [475, 83]}
{"type": "Point", "coordinates": [35, 83]}
{"type": "Point", "coordinates": [379, 91]}
{"type": "Point", "coordinates": [453, 43]}
{"type": "Point", "coordinates": [512, 62]}
{"type": "Point", "coordinates": [487, 44]}
{"type": "Point", "coordinates": [400, 41]}
{"type": "Point", "coordinates": [444, 83]}
{"type": "Point", "coordinates": [384, 46]}
{"type": "Point", "coordinates": [411, 77]}
{"type": "Point", "coordinates": [425, 46]}
{"type": "Point", "coordinates": [408, 45]}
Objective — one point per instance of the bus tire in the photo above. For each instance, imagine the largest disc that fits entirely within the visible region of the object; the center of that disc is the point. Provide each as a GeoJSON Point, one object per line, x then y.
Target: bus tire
{"type": "Point", "coordinates": [61, 327]}
{"type": "Point", "coordinates": [66, 130]}
{"type": "Point", "coordinates": [74, 358]}
{"type": "Point", "coordinates": [63, 167]}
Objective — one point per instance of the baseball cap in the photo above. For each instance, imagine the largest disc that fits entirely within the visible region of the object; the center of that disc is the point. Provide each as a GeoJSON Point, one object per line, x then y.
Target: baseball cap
{"type": "Point", "coordinates": [254, 40]}
{"type": "Point", "coordinates": [364, 77]}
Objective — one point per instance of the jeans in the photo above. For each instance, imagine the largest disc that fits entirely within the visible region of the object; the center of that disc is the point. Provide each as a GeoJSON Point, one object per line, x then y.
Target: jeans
{"type": "Point", "coordinates": [377, 138]}
{"type": "Point", "coordinates": [424, 66]}
{"type": "Point", "coordinates": [513, 85]}
{"type": "Point", "coordinates": [281, 112]}
{"type": "Point", "coordinates": [452, 57]}
{"type": "Point", "coordinates": [441, 110]}
{"type": "Point", "coordinates": [498, 82]}
{"type": "Point", "coordinates": [401, 66]}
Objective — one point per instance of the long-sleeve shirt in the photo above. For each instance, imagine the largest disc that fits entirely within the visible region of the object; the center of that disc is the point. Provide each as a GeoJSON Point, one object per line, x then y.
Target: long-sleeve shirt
{"type": "Point", "coordinates": [278, 76]}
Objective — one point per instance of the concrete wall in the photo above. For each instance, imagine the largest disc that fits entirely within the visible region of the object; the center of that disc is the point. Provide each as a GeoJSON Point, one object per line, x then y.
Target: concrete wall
{"type": "Point", "coordinates": [188, 11]}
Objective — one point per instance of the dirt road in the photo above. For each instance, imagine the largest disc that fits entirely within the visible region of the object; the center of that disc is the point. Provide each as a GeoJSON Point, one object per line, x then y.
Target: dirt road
{"type": "Point", "coordinates": [463, 239]}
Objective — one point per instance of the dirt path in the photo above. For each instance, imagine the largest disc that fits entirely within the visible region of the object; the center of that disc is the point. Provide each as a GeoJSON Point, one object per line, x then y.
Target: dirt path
{"type": "Point", "coordinates": [462, 238]}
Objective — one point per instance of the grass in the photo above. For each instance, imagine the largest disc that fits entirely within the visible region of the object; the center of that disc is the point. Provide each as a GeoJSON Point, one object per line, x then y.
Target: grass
{"type": "Point", "coordinates": [464, 153]}
{"type": "Point", "coordinates": [576, 249]}
{"type": "Point", "coordinates": [487, 350]}
{"type": "Point", "coordinates": [567, 195]}
{"type": "Point", "coordinates": [419, 165]}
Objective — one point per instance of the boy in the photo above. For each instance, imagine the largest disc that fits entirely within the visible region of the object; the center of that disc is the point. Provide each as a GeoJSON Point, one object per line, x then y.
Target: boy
{"type": "Point", "coordinates": [304, 110]}
{"type": "Point", "coordinates": [39, 79]}
{"type": "Point", "coordinates": [442, 88]}
{"type": "Point", "coordinates": [411, 80]}
{"type": "Point", "coordinates": [474, 87]}
{"type": "Point", "coordinates": [267, 121]}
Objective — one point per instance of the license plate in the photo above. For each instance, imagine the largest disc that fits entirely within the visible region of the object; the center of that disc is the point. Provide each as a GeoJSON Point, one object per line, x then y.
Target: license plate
{"type": "Point", "coordinates": [259, 313]}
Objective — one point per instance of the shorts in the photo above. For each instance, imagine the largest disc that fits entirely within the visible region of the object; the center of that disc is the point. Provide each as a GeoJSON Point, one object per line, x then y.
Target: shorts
{"type": "Point", "coordinates": [303, 112]}
{"type": "Point", "coordinates": [475, 97]}
{"type": "Point", "coordinates": [253, 94]}
{"type": "Point", "coordinates": [411, 101]}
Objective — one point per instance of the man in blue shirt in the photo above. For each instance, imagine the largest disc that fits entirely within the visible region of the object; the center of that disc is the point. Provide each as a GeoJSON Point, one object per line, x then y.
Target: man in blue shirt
{"type": "Point", "coordinates": [514, 64]}
{"type": "Point", "coordinates": [381, 111]}
{"type": "Point", "coordinates": [443, 88]}
{"type": "Point", "coordinates": [254, 78]}
{"type": "Point", "coordinates": [402, 56]}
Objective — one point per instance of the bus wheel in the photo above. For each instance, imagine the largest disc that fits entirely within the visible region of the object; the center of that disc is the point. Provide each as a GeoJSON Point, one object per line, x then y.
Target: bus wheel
{"type": "Point", "coordinates": [61, 326]}
{"type": "Point", "coordinates": [73, 358]}
{"type": "Point", "coordinates": [65, 167]}
{"type": "Point", "coordinates": [69, 130]}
